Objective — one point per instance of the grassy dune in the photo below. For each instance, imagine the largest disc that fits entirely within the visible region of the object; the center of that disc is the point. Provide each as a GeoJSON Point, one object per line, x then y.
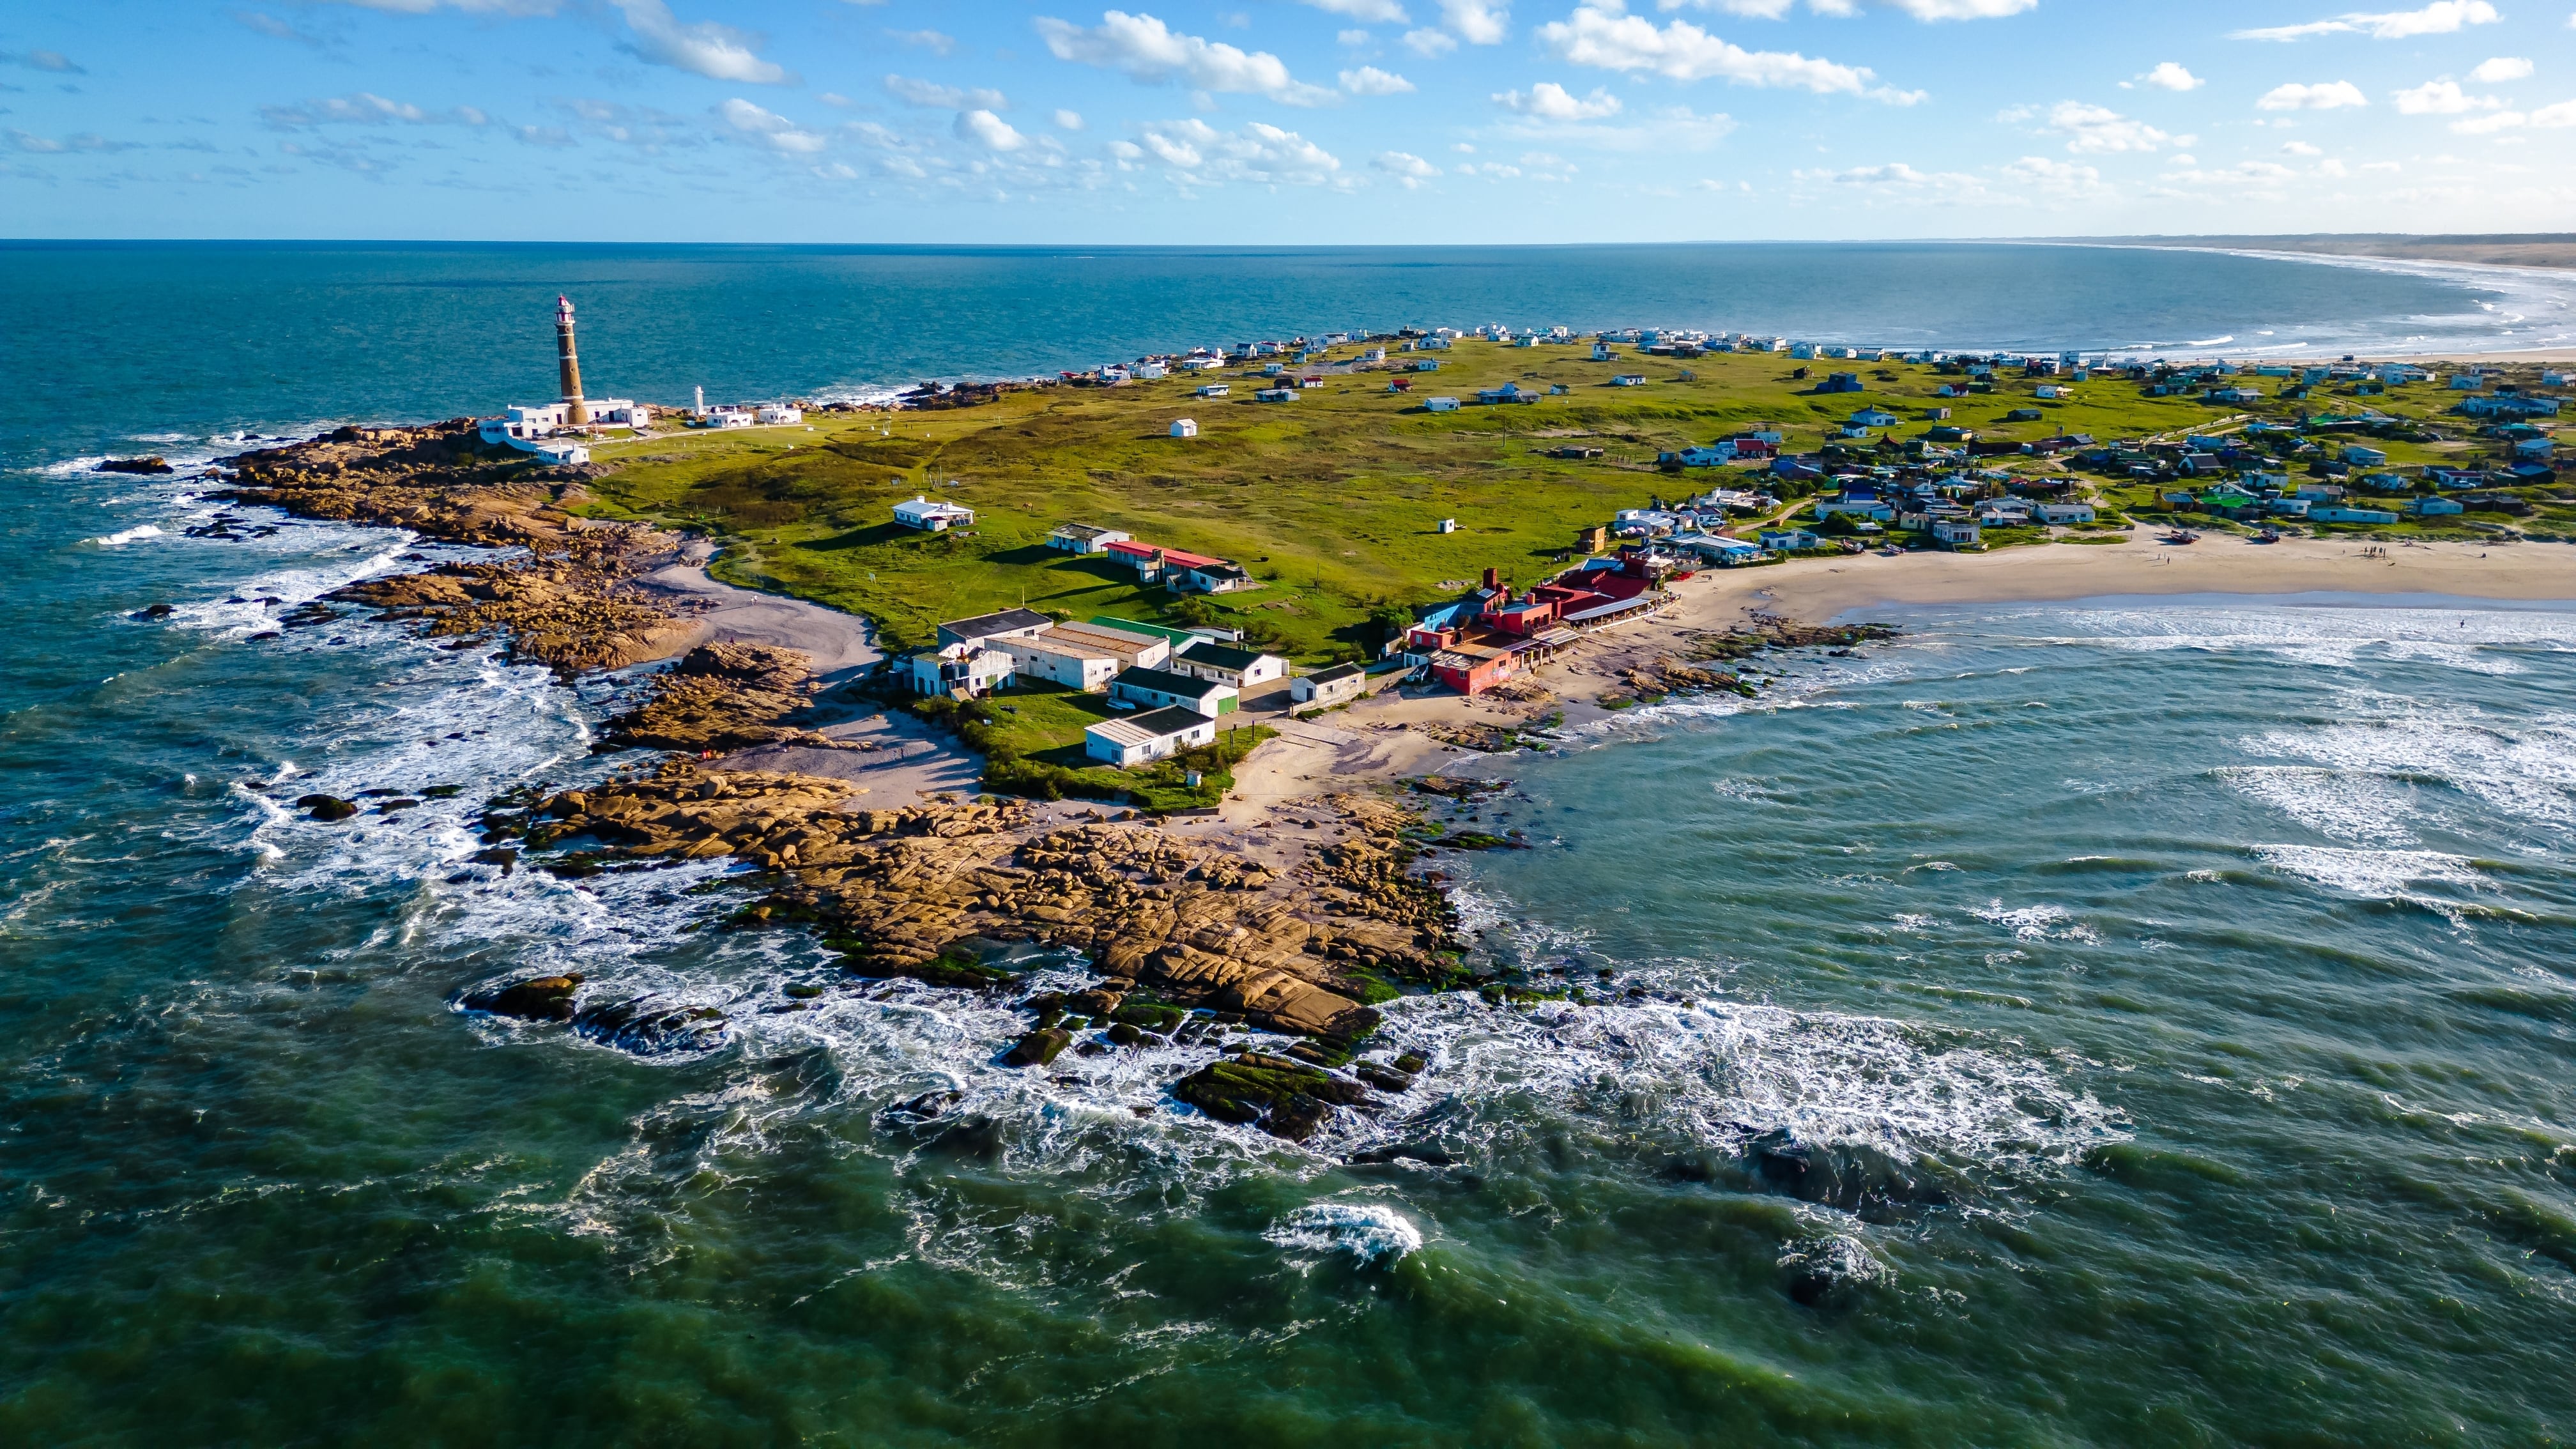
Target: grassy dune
{"type": "Point", "coordinates": [1333, 500]}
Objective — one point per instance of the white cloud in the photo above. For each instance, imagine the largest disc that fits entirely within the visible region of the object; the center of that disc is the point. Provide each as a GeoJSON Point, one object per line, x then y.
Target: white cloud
{"type": "Point", "coordinates": [1477, 22]}
{"type": "Point", "coordinates": [1368, 80]}
{"type": "Point", "coordinates": [2098, 129]}
{"type": "Point", "coordinates": [1375, 12]}
{"type": "Point", "coordinates": [2243, 173]}
{"type": "Point", "coordinates": [770, 129]}
{"type": "Point", "coordinates": [718, 52]}
{"type": "Point", "coordinates": [365, 108]}
{"type": "Point", "coordinates": [1149, 52]}
{"type": "Point", "coordinates": [1548, 101]}
{"type": "Point", "coordinates": [1412, 170]}
{"type": "Point", "coordinates": [2301, 148]}
{"type": "Point", "coordinates": [2442, 17]}
{"type": "Point", "coordinates": [51, 60]}
{"type": "Point", "coordinates": [1601, 34]}
{"type": "Point", "coordinates": [2553, 117]}
{"type": "Point", "coordinates": [2324, 96]}
{"type": "Point", "coordinates": [2169, 76]}
{"type": "Point", "coordinates": [1355, 39]}
{"type": "Point", "coordinates": [2442, 97]}
{"type": "Point", "coordinates": [1925, 10]}
{"type": "Point", "coordinates": [1900, 181]}
{"type": "Point", "coordinates": [1197, 153]}
{"type": "Point", "coordinates": [929, 40]}
{"type": "Point", "coordinates": [983, 128]}
{"type": "Point", "coordinates": [2500, 69]}
{"type": "Point", "coordinates": [931, 96]}
{"type": "Point", "coordinates": [1429, 42]}
{"type": "Point", "coordinates": [1068, 120]}
{"type": "Point", "coordinates": [2058, 178]}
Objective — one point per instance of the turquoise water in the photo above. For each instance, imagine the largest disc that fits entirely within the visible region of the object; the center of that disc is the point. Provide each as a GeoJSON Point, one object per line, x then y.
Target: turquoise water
{"type": "Point", "coordinates": [2171, 1000]}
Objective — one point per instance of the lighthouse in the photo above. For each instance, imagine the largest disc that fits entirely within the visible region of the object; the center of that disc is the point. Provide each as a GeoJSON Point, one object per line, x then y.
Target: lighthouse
{"type": "Point", "coordinates": [568, 363]}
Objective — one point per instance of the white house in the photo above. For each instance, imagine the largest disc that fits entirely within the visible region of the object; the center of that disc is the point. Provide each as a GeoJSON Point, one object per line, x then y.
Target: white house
{"type": "Point", "coordinates": [2426, 507]}
{"type": "Point", "coordinates": [776, 413]}
{"type": "Point", "coordinates": [1213, 389]}
{"type": "Point", "coordinates": [1329, 686]}
{"type": "Point", "coordinates": [1224, 664]}
{"type": "Point", "coordinates": [1440, 405]}
{"type": "Point", "coordinates": [921, 513]}
{"type": "Point", "coordinates": [1159, 689]}
{"type": "Point", "coordinates": [1957, 533]}
{"type": "Point", "coordinates": [2343, 514]}
{"type": "Point", "coordinates": [2361, 457]}
{"type": "Point", "coordinates": [1601, 352]}
{"type": "Point", "coordinates": [1083, 538]}
{"type": "Point", "coordinates": [1629, 379]}
{"type": "Point", "coordinates": [2063, 512]}
{"type": "Point", "coordinates": [989, 629]}
{"type": "Point", "coordinates": [970, 669]}
{"type": "Point", "coordinates": [1185, 427]}
{"type": "Point", "coordinates": [1154, 735]}
{"type": "Point", "coordinates": [530, 421]}
{"type": "Point", "coordinates": [1067, 661]}
{"type": "Point", "coordinates": [1789, 538]}
{"type": "Point", "coordinates": [1132, 648]}
{"type": "Point", "coordinates": [2052, 390]}
{"type": "Point", "coordinates": [1874, 418]}
{"type": "Point", "coordinates": [1448, 525]}
{"type": "Point", "coordinates": [1147, 371]}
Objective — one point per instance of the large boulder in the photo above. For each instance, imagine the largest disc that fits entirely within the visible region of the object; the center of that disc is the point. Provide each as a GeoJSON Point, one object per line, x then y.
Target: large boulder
{"type": "Point", "coordinates": [1287, 1099]}
{"type": "Point", "coordinates": [540, 998]}
{"type": "Point", "coordinates": [652, 1026]}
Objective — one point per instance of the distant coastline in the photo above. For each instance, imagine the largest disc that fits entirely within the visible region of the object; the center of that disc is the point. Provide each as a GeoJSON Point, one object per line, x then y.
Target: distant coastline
{"type": "Point", "coordinates": [2506, 249]}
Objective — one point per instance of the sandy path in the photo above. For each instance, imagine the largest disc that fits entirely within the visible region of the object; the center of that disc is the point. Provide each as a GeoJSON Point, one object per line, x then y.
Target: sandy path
{"type": "Point", "coordinates": [841, 645]}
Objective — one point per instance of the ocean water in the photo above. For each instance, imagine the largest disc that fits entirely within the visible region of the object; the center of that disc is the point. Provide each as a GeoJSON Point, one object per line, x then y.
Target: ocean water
{"type": "Point", "coordinates": [109, 340]}
{"type": "Point", "coordinates": [2186, 982]}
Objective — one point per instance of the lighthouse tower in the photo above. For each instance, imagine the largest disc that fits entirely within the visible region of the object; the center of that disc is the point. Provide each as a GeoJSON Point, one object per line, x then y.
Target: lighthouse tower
{"type": "Point", "coordinates": [569, 364]}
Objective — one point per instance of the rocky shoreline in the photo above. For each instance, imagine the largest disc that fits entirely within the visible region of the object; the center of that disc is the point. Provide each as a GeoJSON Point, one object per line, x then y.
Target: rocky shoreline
{"type": "Point", "coordinates": [1194, 938]}
{"type": "Point", "coordinates": [1276, 952]}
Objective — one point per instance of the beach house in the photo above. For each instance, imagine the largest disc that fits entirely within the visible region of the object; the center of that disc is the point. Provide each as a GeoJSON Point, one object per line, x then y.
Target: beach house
{"type": "Point", "coordinates": [931, 516]}
{"type": "Point", "coordinates": [1224, 664]}
{"type": "Point", "coordinates": [993, 628]}
{"type": "Point", "coordinates": [1160, 689]}
{"type": "Point", "coordinates": [1132, 648]}
{"type": "Point", "coordinates": [960, 671]}
{"type": "Point", "coordinates": [1153, 735]}
{"type": "Point", "coordinates": [1324, 687]}
{"type": "Point", "coordinates": [1957, 533]}
{"type": "Point", "coordinates": [1083, 538]}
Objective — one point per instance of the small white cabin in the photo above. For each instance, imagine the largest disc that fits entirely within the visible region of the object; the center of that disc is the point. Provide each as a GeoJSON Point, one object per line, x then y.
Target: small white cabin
{"type": "Point", "coordinates": [1185, 427]}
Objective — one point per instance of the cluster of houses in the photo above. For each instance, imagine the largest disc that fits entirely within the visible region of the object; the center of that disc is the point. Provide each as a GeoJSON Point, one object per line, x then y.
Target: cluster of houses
{"type": "Point", "coordinates": [1179, 683]}
{"type": "Point", "coordinates": [1178, 570]}
{"type": "Point", "coordinates": [1492, 635]}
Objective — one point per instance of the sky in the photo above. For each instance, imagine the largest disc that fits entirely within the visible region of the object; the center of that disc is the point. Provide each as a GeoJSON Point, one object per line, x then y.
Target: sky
{"type": "Point", "coordinates": [1265, 121]}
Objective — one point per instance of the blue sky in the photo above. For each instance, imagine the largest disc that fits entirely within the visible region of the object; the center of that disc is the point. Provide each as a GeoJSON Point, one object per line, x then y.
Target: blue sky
{"type": "Point", "coordinates": [1281, 120]}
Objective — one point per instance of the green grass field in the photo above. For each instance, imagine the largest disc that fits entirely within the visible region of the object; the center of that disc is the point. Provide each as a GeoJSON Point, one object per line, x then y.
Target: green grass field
{"type": "Point", "coordinates": [1332, 501]}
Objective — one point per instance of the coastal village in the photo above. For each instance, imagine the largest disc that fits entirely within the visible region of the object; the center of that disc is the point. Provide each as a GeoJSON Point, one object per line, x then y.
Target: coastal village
{"type": "Point", "coordinates": [1197, 683]}
{"type": "Point", "coordinates": [1862, 449]}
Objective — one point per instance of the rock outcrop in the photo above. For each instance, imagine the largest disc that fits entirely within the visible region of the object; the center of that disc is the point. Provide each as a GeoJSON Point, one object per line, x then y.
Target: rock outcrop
{"type": "Point", "coordinates": [723, 697]}
{"type": "Point", "coordinates": [569, 601]}
{"type": "Point", "coordinates": [897, 891]}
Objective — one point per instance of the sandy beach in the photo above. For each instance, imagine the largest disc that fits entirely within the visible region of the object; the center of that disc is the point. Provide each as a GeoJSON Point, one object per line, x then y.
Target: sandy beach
{"type": "Point", "coordinates": [1392, 734]}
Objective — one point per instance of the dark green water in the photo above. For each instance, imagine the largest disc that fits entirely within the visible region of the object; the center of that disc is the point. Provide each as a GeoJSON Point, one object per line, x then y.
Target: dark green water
{"type": "Point", "coordinates": [2190, 980]}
